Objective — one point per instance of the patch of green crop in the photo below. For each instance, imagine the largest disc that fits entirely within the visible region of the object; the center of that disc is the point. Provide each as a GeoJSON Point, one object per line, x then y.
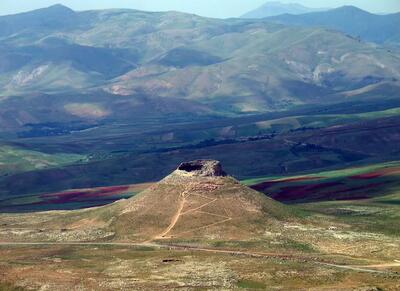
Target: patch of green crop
{"type": "Point", "coordinates": [250, 284]}
{"type": "Point", "coordinates": [298, 246]}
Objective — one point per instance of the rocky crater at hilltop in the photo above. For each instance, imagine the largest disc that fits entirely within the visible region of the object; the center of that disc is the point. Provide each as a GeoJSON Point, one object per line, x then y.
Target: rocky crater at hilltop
{"type": "Point", "coordinates": [201, 168]}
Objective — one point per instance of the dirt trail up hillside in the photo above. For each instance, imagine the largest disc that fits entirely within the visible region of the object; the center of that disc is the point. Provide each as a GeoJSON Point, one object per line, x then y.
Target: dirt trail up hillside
{"type": "Point", "coordinates": [184, 197]}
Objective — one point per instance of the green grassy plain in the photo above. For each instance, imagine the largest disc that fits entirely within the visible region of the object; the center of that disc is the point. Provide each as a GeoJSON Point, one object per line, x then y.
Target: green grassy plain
{"type": "Point", "coordinates": [15, 160]}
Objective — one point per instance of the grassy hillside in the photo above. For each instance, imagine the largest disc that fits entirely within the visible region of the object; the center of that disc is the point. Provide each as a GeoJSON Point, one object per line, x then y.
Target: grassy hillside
{"type": "Point", "coordinates": [285, 153]}
{"type": "Point", "coordinates": [233, 66]}
{"type": "Point", "coordinates": [305, 122]}
{"type": "Point", "coordinates": [14, 160]}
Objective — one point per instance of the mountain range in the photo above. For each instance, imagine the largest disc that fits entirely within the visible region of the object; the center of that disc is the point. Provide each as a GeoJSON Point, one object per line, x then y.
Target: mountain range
{"type": "Point", "coordinates": [103, 65]}
{"type": "Point", "coordinates": [350, 20]}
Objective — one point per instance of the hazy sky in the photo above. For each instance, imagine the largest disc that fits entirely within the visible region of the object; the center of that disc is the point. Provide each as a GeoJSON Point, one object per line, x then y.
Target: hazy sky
{"type": "Point", "coordinates": [211, 8]}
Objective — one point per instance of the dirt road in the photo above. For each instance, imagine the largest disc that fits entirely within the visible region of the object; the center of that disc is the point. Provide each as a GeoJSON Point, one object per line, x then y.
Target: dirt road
{"type": "Point", "coordinates": [366, 269]}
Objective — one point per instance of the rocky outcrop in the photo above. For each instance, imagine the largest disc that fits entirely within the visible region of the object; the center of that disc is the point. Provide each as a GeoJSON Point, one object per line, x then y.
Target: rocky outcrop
{"type": "Point", "coordinates": [201, 168]}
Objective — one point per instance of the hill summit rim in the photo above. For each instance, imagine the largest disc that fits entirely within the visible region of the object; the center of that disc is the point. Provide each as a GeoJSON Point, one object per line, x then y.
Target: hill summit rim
{"type": "Point", "coordinates": [202, 168]}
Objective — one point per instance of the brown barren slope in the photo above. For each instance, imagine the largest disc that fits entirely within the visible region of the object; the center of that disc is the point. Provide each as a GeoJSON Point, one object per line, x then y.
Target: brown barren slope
{"type": "Point", "coordinates": [198, 200]}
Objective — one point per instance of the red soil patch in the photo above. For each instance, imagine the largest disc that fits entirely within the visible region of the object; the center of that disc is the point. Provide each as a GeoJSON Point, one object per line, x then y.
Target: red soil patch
{"type": "Point", "coordinates": [85, 194]}
{"type": "Point", "coordinates": [298, 179]}
{"type": "Point", "coordinates": [287, 190]}
{"type": "Point", "coordinates": [356, 193]}
{"type": "Point", "coordinates": [367, 176]}
{"type": "Point", "coordinates": [265, 185]}
{"type": "Point", "coordinates": [323, 191]}
{"type": "Point", "coordinates": [376, 174]}
{"type": "Point", "coordinates": [365, 187]}
{"type": "Point", "coordinates": [302, 192]}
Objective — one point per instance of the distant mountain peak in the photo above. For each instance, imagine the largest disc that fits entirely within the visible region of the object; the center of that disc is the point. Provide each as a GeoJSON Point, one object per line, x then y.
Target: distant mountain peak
{"type": "Point", "coordinates": [274, 8]}
{"type": "Point", "coordinates": [57, 8]}
{"type": "Point", "coordinates": [55, 18]}
{"type": "Point", "coordinates": [350, 9]}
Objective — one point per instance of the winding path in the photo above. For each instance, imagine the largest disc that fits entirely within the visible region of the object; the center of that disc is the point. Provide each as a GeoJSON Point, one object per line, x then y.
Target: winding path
{"type": "Point", "coordinates": [175, 218]}
{"type": "Point", "coordinates": [179, 214]}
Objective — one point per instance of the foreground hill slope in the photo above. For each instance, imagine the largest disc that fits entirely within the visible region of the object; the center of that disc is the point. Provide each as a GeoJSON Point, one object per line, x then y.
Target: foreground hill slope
{"type": "Point", "coordinates": [198, 201]}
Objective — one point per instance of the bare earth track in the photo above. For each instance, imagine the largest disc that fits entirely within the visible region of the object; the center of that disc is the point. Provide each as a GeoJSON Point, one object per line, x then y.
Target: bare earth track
{"type": "Point", "coordinates": [175, 217]}
{"type": "Point", "coordinates": [365, 269]}
{"type": "Point", "coordinates": [185, 195]}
